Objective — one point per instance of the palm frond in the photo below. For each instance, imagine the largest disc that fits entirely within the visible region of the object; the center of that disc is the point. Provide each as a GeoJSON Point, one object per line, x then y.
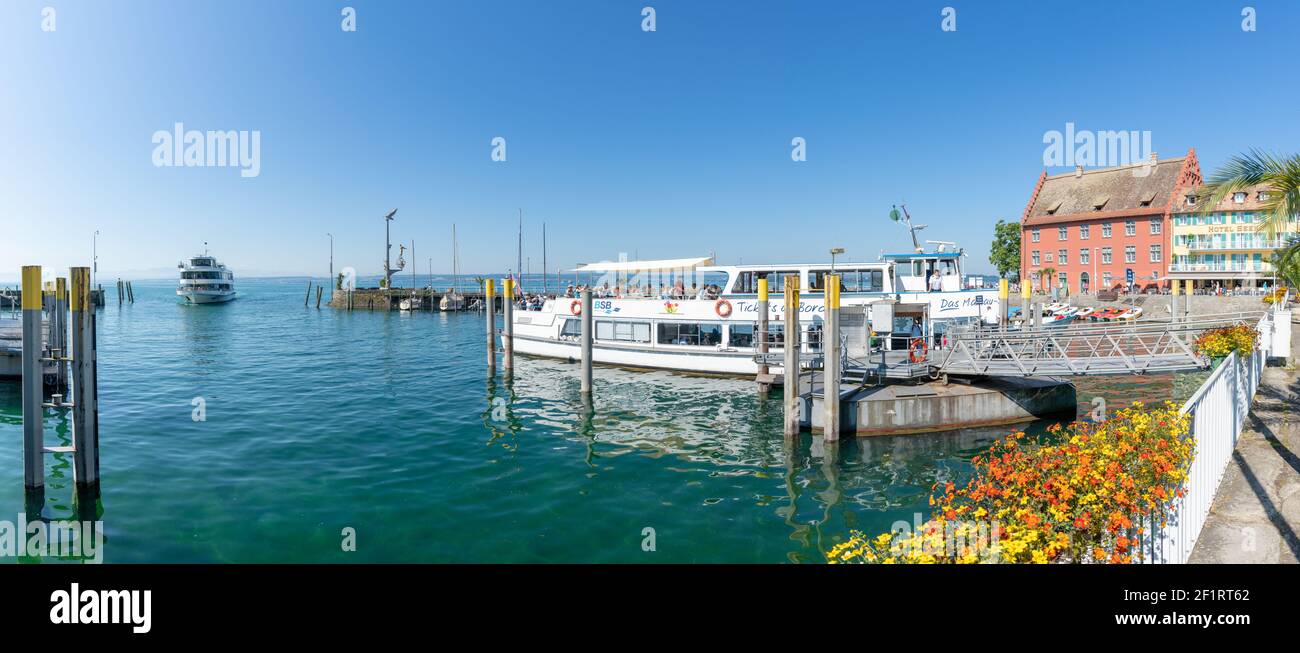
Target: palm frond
{"type": "Point", "coordinates": [1244, 171]}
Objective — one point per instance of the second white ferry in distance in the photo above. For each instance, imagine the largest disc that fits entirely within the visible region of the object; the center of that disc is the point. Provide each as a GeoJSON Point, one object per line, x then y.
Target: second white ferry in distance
{"type": "Point", "coordinates": [690, 315]}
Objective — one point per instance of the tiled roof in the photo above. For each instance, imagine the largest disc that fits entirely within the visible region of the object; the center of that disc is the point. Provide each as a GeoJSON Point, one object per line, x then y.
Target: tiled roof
{"type": "Point", "coordinates": [1226, 204]}
{"type": "Point", "coordinates": [1106, 192]}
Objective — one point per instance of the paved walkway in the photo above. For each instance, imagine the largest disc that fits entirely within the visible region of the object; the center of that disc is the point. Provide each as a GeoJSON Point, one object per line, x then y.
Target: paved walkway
{"type": "Point", "coordinates": [1256, 512]}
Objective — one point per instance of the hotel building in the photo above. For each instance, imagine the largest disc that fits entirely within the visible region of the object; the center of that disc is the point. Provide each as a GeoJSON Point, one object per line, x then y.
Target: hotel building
{"type": "Point", "coordinates": [1090, 230]}
{"type": "Point", "coordinates": [1223, 246]}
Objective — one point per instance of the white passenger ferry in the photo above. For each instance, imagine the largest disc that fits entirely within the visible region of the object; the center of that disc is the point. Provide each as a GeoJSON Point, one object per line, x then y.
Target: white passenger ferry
{"type": "Point", "coordinates": [205, 281]}
{"type": "Point", "coordinates": [690, 315]}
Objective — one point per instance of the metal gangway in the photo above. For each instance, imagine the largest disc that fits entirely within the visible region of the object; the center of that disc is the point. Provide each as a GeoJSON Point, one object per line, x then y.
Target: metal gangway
{"type": "Point", "coordinates": [1084, 348]}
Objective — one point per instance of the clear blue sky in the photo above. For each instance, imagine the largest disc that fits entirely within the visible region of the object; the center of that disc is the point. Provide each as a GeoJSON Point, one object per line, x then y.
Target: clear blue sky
{"type": "Point", "coordinates": [667, 144]}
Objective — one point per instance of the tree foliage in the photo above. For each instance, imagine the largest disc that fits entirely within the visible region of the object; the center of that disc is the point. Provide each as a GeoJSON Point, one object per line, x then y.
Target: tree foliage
{"type": "Point", "coordinates": [1004, 253]}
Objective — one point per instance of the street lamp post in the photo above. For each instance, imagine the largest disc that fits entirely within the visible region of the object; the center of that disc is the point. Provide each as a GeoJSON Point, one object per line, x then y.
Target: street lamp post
{"type": "Point", "coordinates": [834, 252]}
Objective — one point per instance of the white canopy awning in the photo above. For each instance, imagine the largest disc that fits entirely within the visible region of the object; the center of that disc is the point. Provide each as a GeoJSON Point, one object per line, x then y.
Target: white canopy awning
{"type": "Point", "coordinates": [646, 266]}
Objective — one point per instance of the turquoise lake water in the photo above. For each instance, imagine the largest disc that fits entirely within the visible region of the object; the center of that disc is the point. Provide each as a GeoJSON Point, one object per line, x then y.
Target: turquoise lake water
{"type": "Point", "coordinates": [318, 420]}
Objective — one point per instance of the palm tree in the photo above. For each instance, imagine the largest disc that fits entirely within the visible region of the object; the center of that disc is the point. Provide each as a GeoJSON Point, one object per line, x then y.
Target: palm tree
{"type": "Point", "coordinates": [1045, 277]}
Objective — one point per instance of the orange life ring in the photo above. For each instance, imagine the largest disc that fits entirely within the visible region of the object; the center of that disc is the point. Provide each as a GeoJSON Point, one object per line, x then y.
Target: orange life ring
{"type": "Point", "coordinates": [916, 350]}
{"type": "Point", "coordinates": [575, 307]}
{"type": "Point", "coordinates": [722, 308]}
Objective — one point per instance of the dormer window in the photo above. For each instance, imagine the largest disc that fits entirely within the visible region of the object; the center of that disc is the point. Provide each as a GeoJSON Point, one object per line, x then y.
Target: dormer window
{"type": "Point", "coordinates": [1147, 199]}
{"type": "Point", "coordinates": [1239, 198]}
{"type": "Point", "coordinates": [1052, 210]}
{"type": "Point", "coordinates": [1191, 200]}
{"type": "Point", "coordinates": [1099, 203]}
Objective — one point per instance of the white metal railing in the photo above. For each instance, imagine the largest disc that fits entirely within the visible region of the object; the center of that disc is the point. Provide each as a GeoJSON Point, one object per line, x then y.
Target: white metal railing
{"type": "Point", "coordinates": [1217, 410]}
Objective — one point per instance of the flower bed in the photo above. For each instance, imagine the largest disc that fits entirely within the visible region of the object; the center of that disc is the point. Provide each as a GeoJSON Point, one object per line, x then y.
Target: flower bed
{"type": "Point", "coordinates": [1080, 500]}
{"type": "Point", "coordinates": [1217, 343]}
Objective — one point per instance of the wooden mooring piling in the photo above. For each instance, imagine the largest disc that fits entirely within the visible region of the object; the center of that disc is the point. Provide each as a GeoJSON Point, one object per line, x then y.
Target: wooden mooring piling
{"type": "Point", "coordinates": [68, 315]}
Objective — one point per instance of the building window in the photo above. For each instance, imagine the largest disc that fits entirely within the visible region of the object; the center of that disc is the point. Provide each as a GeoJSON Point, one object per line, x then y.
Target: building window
{"type": "Point", "coordinates": [1062, 233]}
{"type": "Point", "coordinates": [1033, 256]}
{"type": "Point", "coordinates": [1083, 232]}
{"type": "Point", "coordinates": [1130, 227]}
{"type": "Point", "coordinates": [1105, 255]}
{"type": "Point", "coordinates": [1084, 256]}
{"type": "Point", "coordinates": [1156, 225]}
{"type": "Point", "coordinates": [1105, 230]}
{"type": "Point", "coordinates": [1262, 196]}
{"type": "Point", "coordinates": [1105, 280]}
{"type": "Point", "coordinates": [1060, 257]}
{"type": "Point", "coordinates": [1033, 235]}
{"type": "Point", "coordinates": [1130, 254]}
{"type": "Point", "coordinates": [1191, 200]}
{"type": "Point", "coordinates": [1238, 198]}
{"type": "Point", "coordinates": [1155, 253]}
{"type": "Point", "coordinates": [1065, 281]}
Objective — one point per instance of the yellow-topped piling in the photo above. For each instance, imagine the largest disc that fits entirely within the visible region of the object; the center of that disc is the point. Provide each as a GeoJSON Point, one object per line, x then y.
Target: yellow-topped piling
{"type": "Point", "coordinates": [508, 313]}
{"type": "Point", "coordinates": [831, 372]}
{"type": "Point", "coordinates": [761, 335]}
{"type": "Point", "coordinates": [32, 288]}
{"type": "Point", "coordinates": [791, 363]}
{"type": "Point", "coordinates": [80, 289]}
{"type": "Point", "coordinates": [490, 297]}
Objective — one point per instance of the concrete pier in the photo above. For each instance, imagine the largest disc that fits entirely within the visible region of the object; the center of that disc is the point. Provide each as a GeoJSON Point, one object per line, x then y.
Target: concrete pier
{"type": "Point", "coordinates": [895, 409]}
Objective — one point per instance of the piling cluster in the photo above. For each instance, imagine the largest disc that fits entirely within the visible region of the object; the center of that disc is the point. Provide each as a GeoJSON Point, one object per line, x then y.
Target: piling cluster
{"type": "Point", "coordinates": [71, 321]}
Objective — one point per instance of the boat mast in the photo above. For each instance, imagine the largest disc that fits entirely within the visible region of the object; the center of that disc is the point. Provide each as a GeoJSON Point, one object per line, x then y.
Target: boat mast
{"type": "Point", "coordinates": [519, 254]}
{"type": "Point", "coordinates": [545, 275]}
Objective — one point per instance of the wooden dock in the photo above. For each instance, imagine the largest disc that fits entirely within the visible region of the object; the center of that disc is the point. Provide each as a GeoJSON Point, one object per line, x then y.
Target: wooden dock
{"type": "Point", "coordinates": [378, 299]}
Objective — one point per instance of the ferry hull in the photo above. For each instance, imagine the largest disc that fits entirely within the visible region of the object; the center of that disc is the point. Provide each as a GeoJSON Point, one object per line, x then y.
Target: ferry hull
{"type": "Point", "coordinates": [731, 363]}
{"type": "Point", "coordinates": [193, 297]}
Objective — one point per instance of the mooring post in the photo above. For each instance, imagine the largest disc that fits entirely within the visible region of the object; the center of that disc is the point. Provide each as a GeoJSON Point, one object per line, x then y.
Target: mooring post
{"type": "Point", "coordinates": [61, 328]}
{"type": "Point", "coordinates": [85, 406]}
{"type": "Point", "coordinates": [508, 314]}
{"type": "Point", "coordinates": [1173, 300]}
{"type": "Point", "coordinates": [1026, 294]}
{"type": "Point", "coordinates": [831, 369]}
{"type": "Point", "coordinates": [319, 290]}
{"type": "Point", "coordinates": [307, 298]}
{"type": "Point", "coordinates": [489, 297]}
{"type": "Point", "coordinates": [588, 333]}
{"type": "Point", "coordinates": [790, 384]}
{"type": "Point", "coordinates": [761, 333]}
{"type": "Point", "coordinates": [33, 391]}
{"type": "Point", "coordinates": [1004, 303]}
{"type": "Point", "coordinates": [130, 292]}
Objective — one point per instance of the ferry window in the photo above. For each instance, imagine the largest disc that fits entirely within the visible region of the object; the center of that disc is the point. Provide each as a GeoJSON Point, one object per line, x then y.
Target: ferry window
{"type": "Point", "coordinates": [742, 335]}
{"type": "Point", "coordinates": [572, 329]}
{"type": "Point", "coordinates": [746, 282]}
{"type": "Point", "coordinates": [623, 331]}
{"type": "Point", "coordinates": [775, 280]}
{"type": "Point", "coordinates": [690, 333]}
{"type": "Point", "coordinates": [862, 281]}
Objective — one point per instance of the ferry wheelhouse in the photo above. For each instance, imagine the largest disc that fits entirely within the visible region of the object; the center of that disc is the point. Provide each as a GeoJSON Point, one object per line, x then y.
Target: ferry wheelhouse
{"type": "Point", "coordinates": [690, 315]}
{"type": "Point", "coordinates": [205, 281]}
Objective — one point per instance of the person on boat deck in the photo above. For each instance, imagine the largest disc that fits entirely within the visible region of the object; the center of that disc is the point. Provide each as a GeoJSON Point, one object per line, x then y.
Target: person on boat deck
{"type": "Point", "coordinates": [568, 292]}
{"type": "Point", "coordinates": [695, 292]}
{"type": "Point", "coordinates": [916, 328]}
{"type": "Point", "coordinates": [936, 282]}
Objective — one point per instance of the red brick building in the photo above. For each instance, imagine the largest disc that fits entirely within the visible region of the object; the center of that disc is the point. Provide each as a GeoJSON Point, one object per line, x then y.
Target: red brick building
{"type": "Point", "coordinates": [1089, 228]}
